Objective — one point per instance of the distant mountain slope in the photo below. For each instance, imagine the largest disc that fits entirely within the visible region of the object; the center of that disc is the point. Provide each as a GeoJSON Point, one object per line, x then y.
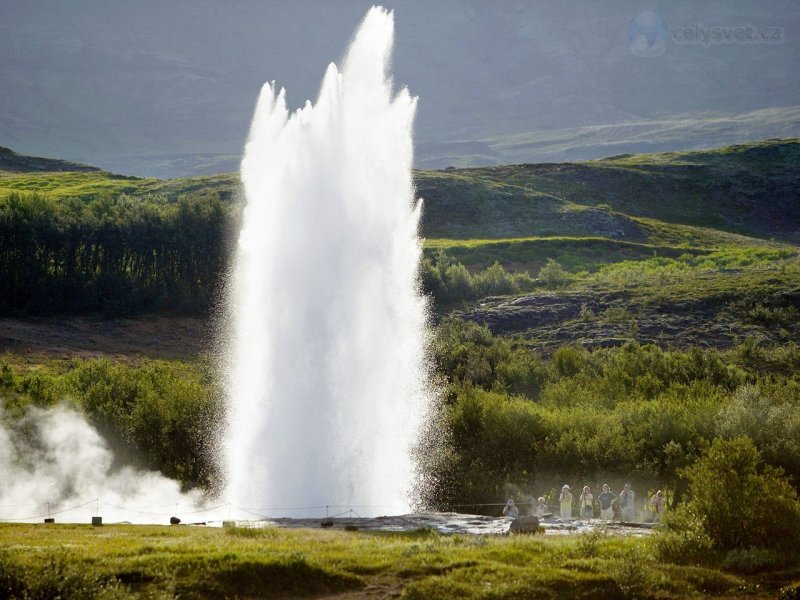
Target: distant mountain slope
{"type": "Point", "coordinates": [750, 189]}
{"type": "Point", "coordinates": [19, 163]}
{"type": "Point", "coordinates": [663, 134]}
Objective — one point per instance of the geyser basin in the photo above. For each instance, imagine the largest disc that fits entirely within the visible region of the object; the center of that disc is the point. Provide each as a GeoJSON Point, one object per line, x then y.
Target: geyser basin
{"type": "Point", "coordinates": [327, 369]}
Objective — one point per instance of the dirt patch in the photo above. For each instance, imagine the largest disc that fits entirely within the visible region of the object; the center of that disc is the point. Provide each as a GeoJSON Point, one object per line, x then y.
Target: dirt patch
{"type": "Point", "coordinates": [81, 337]}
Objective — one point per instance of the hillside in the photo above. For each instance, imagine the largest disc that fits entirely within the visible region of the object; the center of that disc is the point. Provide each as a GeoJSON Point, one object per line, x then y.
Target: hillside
{"type": "Point", "coordinates": [12, 162]}
{"type": "Point", "coordinates": [751, 189]}
{"type": "Point", "coordinates": [718, 300]}
{"type": "Point", "coordinates": [665, 220]}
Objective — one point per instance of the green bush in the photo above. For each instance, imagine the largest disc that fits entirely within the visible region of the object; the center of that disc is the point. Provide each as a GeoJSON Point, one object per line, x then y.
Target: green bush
{"type": "Point", "coordinates": [769, 414]}
{"type": "Point", "coordinates": [468, 353]}
{"type": "Point", "coordinates": [450, 283]}
{"type": "Point", "coordinates": [636, 412]}
{"type": "Point", "coordinates": [735, 502]}
{"type": "Point", "coordinates": [553, 274]}
{"type": "Point", "coordinates": [634, 577]}
{"type": "Point", "coordinates": [683, 538]}
{"type": "Point", "coordinates": [753, 560]}
{"type": "Point", "coordinates": [156, 415]}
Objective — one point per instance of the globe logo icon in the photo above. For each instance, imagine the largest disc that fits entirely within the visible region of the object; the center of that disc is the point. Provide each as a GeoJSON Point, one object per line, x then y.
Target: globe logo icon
{"type": "Point", "coordinates": [647, 34]}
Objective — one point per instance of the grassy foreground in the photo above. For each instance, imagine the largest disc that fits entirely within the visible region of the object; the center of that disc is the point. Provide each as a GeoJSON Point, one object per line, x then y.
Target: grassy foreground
{"type": "Point", "coordinates": [123, 561]}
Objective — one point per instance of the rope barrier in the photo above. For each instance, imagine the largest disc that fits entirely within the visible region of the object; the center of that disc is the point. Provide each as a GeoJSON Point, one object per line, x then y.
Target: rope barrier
{"type": "Point", "coordinates": [287, 508]}
{"type": "Point", "coordinates": [262, 513]}
{"type": "Point", "coordinates": [134, 510]}
{"type": "Point", "coordinates": [194, 512]}
{"type": "Point", "coordinates": [252, 513]}
{"type": "Point", "coordinates": [50, 513]}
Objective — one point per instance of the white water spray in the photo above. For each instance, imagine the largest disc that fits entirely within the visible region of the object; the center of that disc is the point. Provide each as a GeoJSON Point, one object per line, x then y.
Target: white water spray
{"type": "Point", "coordinates": [327, 369]}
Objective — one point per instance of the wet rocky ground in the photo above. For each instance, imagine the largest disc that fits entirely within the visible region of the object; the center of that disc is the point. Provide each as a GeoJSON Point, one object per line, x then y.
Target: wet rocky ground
{"type": "Point", "coordinates": [452, 523]}
{"type": "Point", "coordinates": [594, 319]}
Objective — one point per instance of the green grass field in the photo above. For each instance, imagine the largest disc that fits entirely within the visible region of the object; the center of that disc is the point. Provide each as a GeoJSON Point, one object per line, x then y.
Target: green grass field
{"type": "Point", "coordinates": [88, 185]}
{"type": "Point", "coordinates": [123, 561]}
{"type": "Point", "coordinates": [530, 254]}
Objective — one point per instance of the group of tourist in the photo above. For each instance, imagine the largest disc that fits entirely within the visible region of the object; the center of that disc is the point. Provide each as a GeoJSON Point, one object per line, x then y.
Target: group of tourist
{"type": "Point", "coordinates": [625, 499]}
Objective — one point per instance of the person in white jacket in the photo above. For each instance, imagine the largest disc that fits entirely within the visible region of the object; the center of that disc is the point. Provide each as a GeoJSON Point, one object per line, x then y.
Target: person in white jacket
{"type": "Point", "coordinates": [586, 501]}
{"type": "Point", "coordinates": [510, 509]}
{"type": "Point", "coordinates": [565, 498]}
{"type": "Point", "coordinates": [541, 507]}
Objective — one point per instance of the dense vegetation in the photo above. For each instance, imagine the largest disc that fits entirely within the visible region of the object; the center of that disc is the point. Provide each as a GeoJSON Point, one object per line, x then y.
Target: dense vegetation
{"type": "Point", "coordinates": [755, 530]}
{"type": "Point", "coordinates": [511, 416]}
{"type": "Point", "coordinates": [636, 412]}
{"type": "Point", "coordinates": [113, 255]}
{"type": "Point", "coordinates": [83, 241]}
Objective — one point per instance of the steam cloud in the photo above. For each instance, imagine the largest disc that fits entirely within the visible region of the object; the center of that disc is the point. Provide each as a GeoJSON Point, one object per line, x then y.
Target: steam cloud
{"type": "Point", "coordinates": [54, 456]}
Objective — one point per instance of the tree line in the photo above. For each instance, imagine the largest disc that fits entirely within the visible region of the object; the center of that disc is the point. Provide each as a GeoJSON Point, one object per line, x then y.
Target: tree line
{"type": "Point", "coordinates": [123, 255]}
{"type": "Point", "coordinates": [112, 255]}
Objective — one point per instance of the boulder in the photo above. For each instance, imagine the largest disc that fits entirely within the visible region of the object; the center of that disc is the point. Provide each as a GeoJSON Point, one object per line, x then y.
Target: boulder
{"type": "Point", "coordinates": [524, 525]}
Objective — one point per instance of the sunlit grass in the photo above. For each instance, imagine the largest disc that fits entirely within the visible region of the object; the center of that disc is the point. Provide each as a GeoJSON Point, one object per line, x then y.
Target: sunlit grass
{"type": "Point", "coordinates": [93, 184]}
{"type": "Point", "coordinates": [84, 185]}
{"type": "Point", "coordinates": [195, 562]}
{"type": "Point", "coordinates": [573, 253]}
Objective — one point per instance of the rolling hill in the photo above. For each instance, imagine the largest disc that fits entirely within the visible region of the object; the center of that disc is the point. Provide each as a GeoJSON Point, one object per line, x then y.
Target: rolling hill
{"type": "Point", "coordinates": [749, 190]}
{"type": "Point", "coordinates": [644, 238]}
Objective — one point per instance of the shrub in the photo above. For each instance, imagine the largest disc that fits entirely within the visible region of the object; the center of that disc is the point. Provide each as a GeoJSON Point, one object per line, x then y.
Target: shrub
{"type": "Point", "coordinates": [553, 274]}
{"type": "Point", "coordinates": [495, 280]}
{"type": "Point", "coordinates": [458, 283]}
{"type": "Point", "coordinates": [633, 577]}
{"type": "Point", "coordinates": [450, 283]}
{"type": "Point", "coordinates": [683, 538]}
{"type": "Point", "coordinates": [753, 560]}
{"type": "Point", "coordinates": [589, 544]}
{"type": "Point", "coordinates": [469, 353]}
{"type": "Point", "coordinates": [735, 502]}
{"type": "Point", "coordinates": [770, 416]}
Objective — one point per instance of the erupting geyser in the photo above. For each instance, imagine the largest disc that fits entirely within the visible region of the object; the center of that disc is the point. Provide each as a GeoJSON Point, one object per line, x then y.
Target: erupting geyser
{"type": "Point", "coordinates": [327, 366]}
